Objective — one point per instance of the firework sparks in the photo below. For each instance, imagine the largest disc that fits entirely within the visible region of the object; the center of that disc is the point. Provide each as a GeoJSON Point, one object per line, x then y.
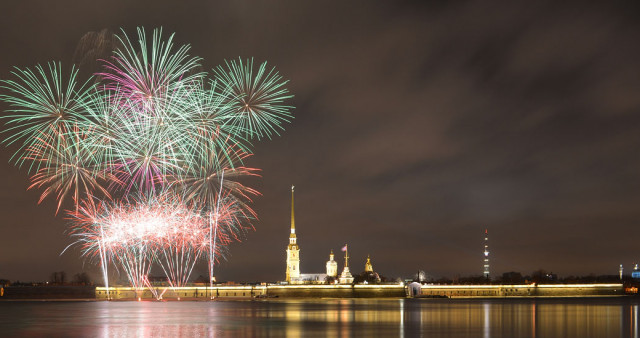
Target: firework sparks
{"type": "Point", "coordinates": [153, 131]}
{"type": "Point", "coordinates": [260, 97]}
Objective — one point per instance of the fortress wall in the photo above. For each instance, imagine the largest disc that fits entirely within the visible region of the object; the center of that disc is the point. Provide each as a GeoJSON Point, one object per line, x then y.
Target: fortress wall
{"type": "Point", "coordinates": [523, 290]}
{"type": "Point", "coordinates": [337, 291]}
{"type": "Point", "coordinates": [368, 291]}
{"type": "Point", "coordinates": [191, 293]}
{"type": "Point", "coordinates": [313, 291]}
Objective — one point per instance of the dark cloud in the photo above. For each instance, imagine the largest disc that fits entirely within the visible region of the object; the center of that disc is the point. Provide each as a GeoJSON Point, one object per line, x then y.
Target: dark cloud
{"type": "Point", "coordinates": [417, 126]}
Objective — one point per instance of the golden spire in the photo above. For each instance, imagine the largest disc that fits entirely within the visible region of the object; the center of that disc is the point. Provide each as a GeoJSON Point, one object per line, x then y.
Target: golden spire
{"type": "Point", "coordinates": [293, 220]}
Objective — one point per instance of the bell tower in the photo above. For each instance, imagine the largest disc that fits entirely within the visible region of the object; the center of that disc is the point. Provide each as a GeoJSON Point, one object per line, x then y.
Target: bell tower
{"type": "Point", "coordinates": [293, 251]}
{"type": "Point", "coordinates": [332, 266]}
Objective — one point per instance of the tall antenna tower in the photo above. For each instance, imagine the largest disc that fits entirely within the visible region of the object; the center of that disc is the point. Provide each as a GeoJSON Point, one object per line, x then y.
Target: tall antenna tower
{"type": "Point", "coordinates": [486, 254]}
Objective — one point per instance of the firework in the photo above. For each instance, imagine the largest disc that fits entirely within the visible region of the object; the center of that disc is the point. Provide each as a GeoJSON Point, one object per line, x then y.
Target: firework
{"type": "Point", "coordinates": [44, 106]}
{"type": "Point", "coordinates": [150, 152]}
{"type": "Point", "coordinates": [260, 97]}
{"type": "Point", "coordinates": [66, 166]}
{"type": "Point", "coordinates": [146, 72]}
{"type": "Point", "coordinates": [160, 230]}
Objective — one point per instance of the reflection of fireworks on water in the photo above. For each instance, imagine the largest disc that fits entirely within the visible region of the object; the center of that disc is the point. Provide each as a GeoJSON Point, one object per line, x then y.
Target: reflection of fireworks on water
{"type": "Point", "coordinates": [158, 136]}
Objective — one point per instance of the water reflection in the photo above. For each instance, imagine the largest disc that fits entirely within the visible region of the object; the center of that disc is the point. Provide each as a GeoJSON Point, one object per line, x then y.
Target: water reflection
{"type": "Point", "coordinates": [326, 317]}
{"type": "Point", "coordinates": [487, 317]}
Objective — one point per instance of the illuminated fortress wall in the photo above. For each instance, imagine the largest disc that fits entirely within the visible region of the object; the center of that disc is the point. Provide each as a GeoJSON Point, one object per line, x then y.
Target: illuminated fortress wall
{"type": "Point", "coordinates": [359, 290]}
{"type": "Point", "coordinates": [204, 293]}
{"type": "Point", "coordinates": [188, 292]}
{"type": "Point", "coordinates": [367, 291]}
{"type": "Point", "coordinates": [524, 290]}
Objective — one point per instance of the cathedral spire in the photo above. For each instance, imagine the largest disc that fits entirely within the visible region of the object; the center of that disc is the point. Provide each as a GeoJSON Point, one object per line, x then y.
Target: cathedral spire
{"type": "Point", "coordinates": [292, 236]}
{"type": "Point", "coordinates": [293, 219]}
{"type": "Point", "coordinates": [293, 250]}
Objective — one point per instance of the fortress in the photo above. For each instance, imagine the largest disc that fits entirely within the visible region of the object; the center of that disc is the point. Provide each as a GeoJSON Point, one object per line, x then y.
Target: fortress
{"type": "Point", "coordinates": [371, 291]}
{"type": "Point", "coordinates": [294, 276]}
{"type": "Point", "coordinates": [320, 285]}
{"type": "Point", "coordinates": [332, 284]}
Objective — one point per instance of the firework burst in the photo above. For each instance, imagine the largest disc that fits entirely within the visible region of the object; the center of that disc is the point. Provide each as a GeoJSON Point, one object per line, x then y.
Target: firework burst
{"type": "Point", "coordinates": [150, 152]}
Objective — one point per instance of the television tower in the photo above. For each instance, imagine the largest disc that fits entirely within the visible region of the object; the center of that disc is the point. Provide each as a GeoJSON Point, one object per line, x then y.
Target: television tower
{"type": "Point", "coordinates": [486, 254]}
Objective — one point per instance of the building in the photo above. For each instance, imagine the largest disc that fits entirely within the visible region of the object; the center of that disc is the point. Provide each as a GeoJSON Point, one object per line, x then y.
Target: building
{"type": "Point", "coordinates": [368, 267]}
{"type": "Point", "coordinates": [635, 274]}
{"type": "Point", "coordinates": [369, 276]}
{"type": "Point", "coordinates": [311, 278]}
{"type": "Point", "coordinates": [332, 266]}
{"type": "Point", "coordinates": [293, 250]}
{"type": "Point", "coordinates": [293, 274]}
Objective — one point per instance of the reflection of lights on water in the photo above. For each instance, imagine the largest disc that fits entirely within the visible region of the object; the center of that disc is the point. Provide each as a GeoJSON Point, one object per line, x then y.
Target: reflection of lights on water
{"type": "Point", "coordinates": [533, 319]}
{"type": "Point", "coordinates": [402, 317]}
{"type": "Point", "coordinates": [338, 317]}
{"type": "Point", "coordinates": [486, 311]}
{"type": "Point", "coordinates": [635, 321]}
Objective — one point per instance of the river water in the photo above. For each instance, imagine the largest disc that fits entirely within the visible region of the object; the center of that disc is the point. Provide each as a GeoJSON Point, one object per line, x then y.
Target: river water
{"type": "Point", "coordinates": [611, 317]}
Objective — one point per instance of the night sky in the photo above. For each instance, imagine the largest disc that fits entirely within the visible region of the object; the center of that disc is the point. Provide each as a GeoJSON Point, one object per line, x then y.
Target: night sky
{"type": "Point", "coordinates": [416, 127]}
